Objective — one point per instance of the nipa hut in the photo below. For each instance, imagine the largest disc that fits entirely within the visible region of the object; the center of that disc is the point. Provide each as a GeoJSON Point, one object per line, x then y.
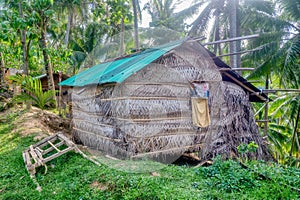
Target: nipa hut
{"type": "Point", "coordinates": [56, 78]}
{"type": "Point", "coordinates": [164, 101]}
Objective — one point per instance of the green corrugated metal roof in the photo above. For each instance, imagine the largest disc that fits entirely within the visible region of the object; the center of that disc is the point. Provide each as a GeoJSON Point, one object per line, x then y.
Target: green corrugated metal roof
{"type": "Point", "coordinates": [119, 70]}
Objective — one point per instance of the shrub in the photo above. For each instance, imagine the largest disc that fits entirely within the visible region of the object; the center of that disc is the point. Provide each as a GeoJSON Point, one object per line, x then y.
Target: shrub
{"type": "Point", "coordinates": [228, 176]}
{"type": "Point", "coordinates": [33, 92]}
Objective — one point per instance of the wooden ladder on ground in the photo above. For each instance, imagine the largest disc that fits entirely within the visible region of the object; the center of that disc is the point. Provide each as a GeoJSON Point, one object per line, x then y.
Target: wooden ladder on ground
{"type": "Point", "coordinates": [47, 149]}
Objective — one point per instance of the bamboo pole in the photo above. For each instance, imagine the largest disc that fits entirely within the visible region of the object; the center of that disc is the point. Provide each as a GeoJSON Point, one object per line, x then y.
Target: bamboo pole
{"type": "Point", "coordinates": [232, 39]}
{"type": "Point", "coordinates": [262, 120]}
{"type": "Point", "coordinates": [295, 132]}
{"type": "Point", "coordinates": [166, 150]}
{"type": "Point", "coordinates": [198, 38]}
{"type": "Point", "coordinates": [260, 109]}
{"type": "Point", "coordinates": [266, 118]}
{"type": "Point", "coordinates": [60, 93]}
{"type": "Point", "coordinates": [244, 86]}
{"type": "Point", "coordinates": [280, 90]}
{"type": "Point", "coordinates": [235, 53]}
{"type": "Point", "coordinates": [237, 69]}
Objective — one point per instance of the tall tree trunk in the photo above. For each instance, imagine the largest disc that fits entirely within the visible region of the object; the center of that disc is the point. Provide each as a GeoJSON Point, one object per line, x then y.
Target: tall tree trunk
{"type": "Point", "coordinates": [121, 52]}
{"type": "Point", "coordinates": [136, 33]}
{"type": "Point", "coordinates": [238, 34]}
{"type": "Point", "coordinates": [69, 25]}
{"type": "Point", "coordinates": [233, 31]}
{"type": "Point", "coordinates": [48, 67]}
{"type": "Point", "coordinates": [23, 42]}
{"type": "Point", "coordinates": [217, 47]}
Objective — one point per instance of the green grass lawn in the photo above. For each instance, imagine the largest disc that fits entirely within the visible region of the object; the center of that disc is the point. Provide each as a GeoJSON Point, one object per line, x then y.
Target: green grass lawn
{"type": "Point", "coordinates": [73, 177]}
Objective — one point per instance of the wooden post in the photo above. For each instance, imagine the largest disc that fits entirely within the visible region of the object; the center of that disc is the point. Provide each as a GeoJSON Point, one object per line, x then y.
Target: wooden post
{"type": "Point", "coordinates": [60, 92]}
{"type": "Point", "coordinates": [2, 72]}
{"type": "Point", "coordinates": [266, 119]}
{"type": "Point", "coordinates": [295, 137]}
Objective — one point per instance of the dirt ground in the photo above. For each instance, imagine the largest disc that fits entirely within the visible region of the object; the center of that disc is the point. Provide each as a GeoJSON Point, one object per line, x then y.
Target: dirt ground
{"type": "Point", "coordinates": [37, 122]}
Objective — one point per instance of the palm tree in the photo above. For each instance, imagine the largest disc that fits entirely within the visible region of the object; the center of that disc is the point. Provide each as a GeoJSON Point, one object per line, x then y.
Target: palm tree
{"type": "Point", "coordinates": [283, 132]}
{"type": "Point", "coordinates": [226, 18]}
{"type": "Point", "coordinates": [23, 40]}
{"type": "Point", "coordinates": [19, 23]}
{"type": "Point", "coordinates": [71, 9]}
{"type": "Point", "coordinates": [277, 57]}
{"type": "Point", "coordinates": [136, 13]}
{"type": "Point", "coordinates": [42, 11]}
{"type": "Point", "coordinates": [163, 14]}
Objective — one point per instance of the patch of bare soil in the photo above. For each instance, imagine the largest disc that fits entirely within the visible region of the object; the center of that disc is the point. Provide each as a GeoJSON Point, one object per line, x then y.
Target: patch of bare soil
{"type": "Point", "coordinates": [99, 186]}
{"type": "Point", "coordinates": [40, 123]}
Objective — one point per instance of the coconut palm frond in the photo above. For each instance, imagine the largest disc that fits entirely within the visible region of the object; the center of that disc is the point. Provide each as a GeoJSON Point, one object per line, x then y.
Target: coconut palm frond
{"type": "Point", "coordinates": [278, 140]}
{"type": "Point", "coordinates": [277, 105]}
{"type": "Point", "coordinates": [294, 106]}
{"type": "Point", "coordinates": [260, 5]}
{"type": "Point", "coordinates": [291, 8]}
{"type": "Point", "coordinates": [201, 23]}
{"type": "Point", "coordinates": [261, 70]}
{"type": "Point", "coordinates": [190, 11]}
{"type": "Point", "coordinates": [291, 61]}
{"type": "Point", "coordinates": [261, 52]}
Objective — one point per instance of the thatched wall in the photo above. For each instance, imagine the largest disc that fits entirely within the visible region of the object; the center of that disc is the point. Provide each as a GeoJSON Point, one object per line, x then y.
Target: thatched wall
{"type": "Point", "coordinates": [149, 114]}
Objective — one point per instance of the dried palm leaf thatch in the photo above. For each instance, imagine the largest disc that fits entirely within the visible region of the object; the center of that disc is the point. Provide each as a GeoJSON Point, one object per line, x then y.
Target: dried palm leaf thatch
{"type": "Point", "coordinates": [233, 124]}
{"type": "Point", "coordinates": [149, 114]}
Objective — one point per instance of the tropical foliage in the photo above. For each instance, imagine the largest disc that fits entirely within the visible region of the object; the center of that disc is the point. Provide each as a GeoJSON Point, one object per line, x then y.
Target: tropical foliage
{"type": "Point", "coordinates": [33, 92]}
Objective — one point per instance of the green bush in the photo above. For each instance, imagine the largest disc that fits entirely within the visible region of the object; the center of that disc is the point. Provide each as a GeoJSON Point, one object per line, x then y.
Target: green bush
{"type": "Point", "coordinates": [229, 176]}
{"type": "Point", "coordinates": [33, 92]}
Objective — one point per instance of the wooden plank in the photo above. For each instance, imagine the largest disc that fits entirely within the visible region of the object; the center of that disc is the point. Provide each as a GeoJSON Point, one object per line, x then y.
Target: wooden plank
{"type": "Point", "coordinates": [46, 143]}
{"type": "Point", "coordinates": [28, 164]}
{"type": "Point", "coordinates": [58, 154]}
{"type": "Point", "coordinates": [40, 150]}
{"type": "Point", "coordinates": [39, 154]}
{"type": "Point", "coordinates": [53, 146]}
{"type": "Point", "coordinates": [27, 159]}
{"type": "Point", "coordinates": [66, 140]}
{"type": "Point", "coordinates": [34, 156]}
{"type": "Point", "coordinates": [40, 143]}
